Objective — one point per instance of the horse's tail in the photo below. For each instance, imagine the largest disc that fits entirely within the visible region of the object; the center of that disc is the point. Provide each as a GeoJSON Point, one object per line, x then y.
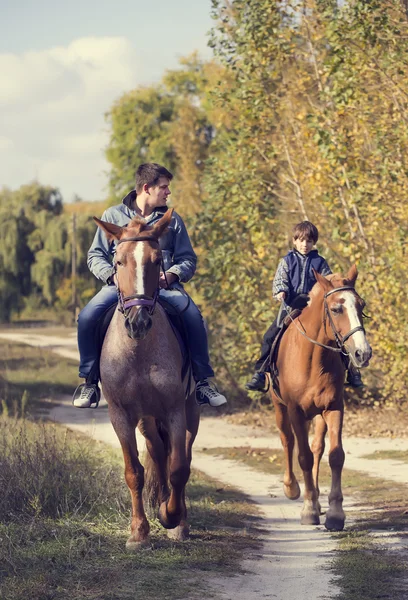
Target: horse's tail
{"type": "Point", "coordinates": [151, 486]}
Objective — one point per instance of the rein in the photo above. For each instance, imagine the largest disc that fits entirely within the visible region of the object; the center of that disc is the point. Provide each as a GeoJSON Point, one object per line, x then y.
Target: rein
{"type": "Point", "coordinates": [340, 340]}
{"type": "Point", "coordinates": [126, 302]}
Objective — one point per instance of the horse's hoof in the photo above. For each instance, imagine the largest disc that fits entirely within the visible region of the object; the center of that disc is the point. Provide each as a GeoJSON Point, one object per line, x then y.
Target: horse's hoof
{"type": "Point", "coordinates": [292, 491]}
{"type": "Point", "coordinates": [334, 523]}
{"type": "Point", "coordinates": [134, 546]}
{"type": "Point", "coordinates": [310, 519]}
{"type": "Point", "coordinates": [181, 533]}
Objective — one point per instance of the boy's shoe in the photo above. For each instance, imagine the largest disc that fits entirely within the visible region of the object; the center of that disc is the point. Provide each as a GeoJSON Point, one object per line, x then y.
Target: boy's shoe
{"type": "Point", "coordinates": [257, 382]}
{"type": "Point", "coordinates": [87, 395]}
{"type": "Point", "coordinates": [354, 378]}
{"type": "Point", "coordinates": [207, 393]}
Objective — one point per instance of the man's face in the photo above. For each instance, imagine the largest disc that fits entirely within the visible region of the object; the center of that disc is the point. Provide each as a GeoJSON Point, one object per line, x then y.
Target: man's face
{"type": "Point", "coordinates": [159, 193]}
{"type": "Point", "coordinates": [303, 245]}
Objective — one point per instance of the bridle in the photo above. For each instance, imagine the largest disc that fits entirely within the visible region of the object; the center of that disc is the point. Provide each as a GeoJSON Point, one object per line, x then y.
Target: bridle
{"type": "Point", "coordinates": [340, 340]}
{"type": "Point", "coordinates": [126, 302]}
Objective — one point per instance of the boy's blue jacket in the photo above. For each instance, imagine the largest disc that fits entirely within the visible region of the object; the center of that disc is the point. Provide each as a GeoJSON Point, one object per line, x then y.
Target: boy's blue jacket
{"type": "Point", "coordinates": [294, 274]}
{"type": "Point", "coordinates": [178, 254]}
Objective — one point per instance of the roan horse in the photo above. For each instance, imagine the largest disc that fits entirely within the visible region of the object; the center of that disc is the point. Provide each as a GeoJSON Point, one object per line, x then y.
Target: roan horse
{"type": "Point", "coordinates": [311, 381]}
{"type": "Point", "coordinates": [140, 366]}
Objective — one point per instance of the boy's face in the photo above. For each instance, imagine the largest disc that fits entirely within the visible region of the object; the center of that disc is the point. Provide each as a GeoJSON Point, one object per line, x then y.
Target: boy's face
{"type": "Point", "coordinates": [303, 245]}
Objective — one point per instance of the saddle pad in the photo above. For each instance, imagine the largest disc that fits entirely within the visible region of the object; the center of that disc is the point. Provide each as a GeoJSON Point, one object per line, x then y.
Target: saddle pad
{"type": "Point", "coordinates": [273, 356]}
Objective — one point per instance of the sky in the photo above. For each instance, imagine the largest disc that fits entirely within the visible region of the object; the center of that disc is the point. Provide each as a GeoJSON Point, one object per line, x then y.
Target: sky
{"type": "Point", "coordinates": [63, 64]}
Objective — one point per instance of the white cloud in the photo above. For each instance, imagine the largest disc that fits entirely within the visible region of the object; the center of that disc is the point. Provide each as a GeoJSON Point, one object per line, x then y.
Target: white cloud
{"type": "Point", "coordinates": [52, 106]}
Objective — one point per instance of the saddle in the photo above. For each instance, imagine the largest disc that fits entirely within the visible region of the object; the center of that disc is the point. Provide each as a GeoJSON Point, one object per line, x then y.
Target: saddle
{"type": "Point", "coordinates": [273, 356]}
{"type": "Point", "coordinates": [176, 323]}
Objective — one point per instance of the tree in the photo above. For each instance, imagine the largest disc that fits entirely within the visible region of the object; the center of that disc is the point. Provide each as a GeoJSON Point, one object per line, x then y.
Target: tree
{"type": "Point", "coordinates": [317, 98]}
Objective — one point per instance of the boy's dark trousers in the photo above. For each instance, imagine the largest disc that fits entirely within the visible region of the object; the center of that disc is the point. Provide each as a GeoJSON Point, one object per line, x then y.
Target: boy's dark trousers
{"type": "Point", "coordinates": [261, 364]}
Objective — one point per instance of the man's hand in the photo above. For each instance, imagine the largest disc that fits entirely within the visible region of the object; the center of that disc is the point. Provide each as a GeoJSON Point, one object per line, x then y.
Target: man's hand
{"type": "Point", "coordinates": [280, 297]}
{"type": "Point", "coordinates": [113, 280]}
{"type": "Point", "coordinates": [171, 278]}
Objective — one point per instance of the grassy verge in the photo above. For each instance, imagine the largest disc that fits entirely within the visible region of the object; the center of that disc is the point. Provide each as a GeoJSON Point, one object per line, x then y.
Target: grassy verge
{"type": "Point", "coordinates": [401, 455]}
{"type": "Point", "coordinates": [65, 509]}
{"type": "Point", "coordinates": [28, 376]}
{"type": "Point", "coordinates": [368, 564]}
{"type": "Point", "coordinates": [64, 514]}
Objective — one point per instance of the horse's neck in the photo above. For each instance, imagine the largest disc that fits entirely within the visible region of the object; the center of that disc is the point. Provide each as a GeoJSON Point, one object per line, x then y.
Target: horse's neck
{"type": "Point", "coordinates": [312, 323]}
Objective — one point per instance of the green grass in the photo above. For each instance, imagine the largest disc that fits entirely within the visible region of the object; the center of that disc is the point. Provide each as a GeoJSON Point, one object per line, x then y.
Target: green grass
{"type": "Point", "coordinates": [28, 376]}
{"type": "Point", "coordinates": [65, 508]}
{"type": "Point", "coordinates": [364, 568]}
{"type": "Point", "coordinates": [401, 455]}
{"type": "Point", "coordinates": [64, 520]}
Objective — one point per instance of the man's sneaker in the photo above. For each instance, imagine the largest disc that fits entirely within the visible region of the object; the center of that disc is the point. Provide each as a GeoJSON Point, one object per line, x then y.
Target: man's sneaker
{"type": "Point", "coordinates": [257, 383]}
{"type": "Point", "coordinates": [354, 378]}
{"type": "Point", "coordinates": [207, 393]}
{"type": "Point", "coordinates": [87, 395]}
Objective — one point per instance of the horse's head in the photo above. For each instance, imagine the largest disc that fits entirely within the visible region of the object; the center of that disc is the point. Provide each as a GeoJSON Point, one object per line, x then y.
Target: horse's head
{"type": "Point", "coordinates": [138, 260]}
{"type": "Point", "coordinates": [344, 312]}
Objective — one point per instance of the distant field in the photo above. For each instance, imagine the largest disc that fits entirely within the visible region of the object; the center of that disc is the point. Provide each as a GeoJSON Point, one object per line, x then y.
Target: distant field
{"type": "Point", "coordinates": [29, 376]}
{"type": "Point", "coordinates": [86, 208]}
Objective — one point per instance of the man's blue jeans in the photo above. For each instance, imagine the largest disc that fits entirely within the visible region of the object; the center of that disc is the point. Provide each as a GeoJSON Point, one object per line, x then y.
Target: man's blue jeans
{"type": "Point", "coordinates": [88, 343]}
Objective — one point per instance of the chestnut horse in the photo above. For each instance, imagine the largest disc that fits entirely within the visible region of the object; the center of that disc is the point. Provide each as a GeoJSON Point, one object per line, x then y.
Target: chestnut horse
{"type": "Point", "coordinates": [311, 381]}
{"type": "Point", "coordinates": [140, 366]}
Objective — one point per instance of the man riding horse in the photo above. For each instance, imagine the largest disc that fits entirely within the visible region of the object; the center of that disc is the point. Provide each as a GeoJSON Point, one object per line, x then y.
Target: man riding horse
{"type": "Point", "coordinates": [147, 200]}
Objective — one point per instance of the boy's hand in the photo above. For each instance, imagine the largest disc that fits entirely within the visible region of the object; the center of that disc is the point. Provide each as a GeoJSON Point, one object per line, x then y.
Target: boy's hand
{"type": "Point", "coordinates": [281, 296]}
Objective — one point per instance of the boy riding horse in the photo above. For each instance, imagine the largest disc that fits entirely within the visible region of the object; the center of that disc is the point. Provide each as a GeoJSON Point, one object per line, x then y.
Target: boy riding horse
{"type": "Point", "coordinates": [292, 283]}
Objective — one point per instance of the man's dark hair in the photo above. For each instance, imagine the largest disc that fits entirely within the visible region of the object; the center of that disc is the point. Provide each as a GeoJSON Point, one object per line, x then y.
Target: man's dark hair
{"type": "Point", "coordinates": [306, 230]}
{"type": "Point", "coordinates": [150, 174]}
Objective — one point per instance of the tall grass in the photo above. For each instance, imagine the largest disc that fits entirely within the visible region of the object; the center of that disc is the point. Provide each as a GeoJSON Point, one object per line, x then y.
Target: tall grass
{"type": "Point", "coordinates": [47, 471]}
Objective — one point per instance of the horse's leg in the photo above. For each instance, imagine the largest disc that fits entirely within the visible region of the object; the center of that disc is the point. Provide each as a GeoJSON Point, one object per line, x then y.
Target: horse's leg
{"type": "Point", "coordinates": [318, 449]}
{"type": "Point", "coordinates": [310, 511]}
{"type": "Point", "coordinates": [181, 532]}
{"type": "Point", "coordinates": [290, 485]}
{"type": "Point", "coordinates": [156, 486]}
{"type": "Point", "coordinates": [134, 476]}
{"type": "Point", "coordinates": [172, 510]}
{"type": "Point", "coordinates": [335, 515]}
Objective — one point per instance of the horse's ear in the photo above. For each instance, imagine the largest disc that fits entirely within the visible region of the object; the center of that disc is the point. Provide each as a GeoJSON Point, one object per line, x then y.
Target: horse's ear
{"type": "Point", "coordinates": [324, 283]}
{"type": "Point", "coordinates": [113, 232]}
{"type": "Point", "coordinates": [160, 227]}
{"type": "Point", "coordinates": [352, 275]}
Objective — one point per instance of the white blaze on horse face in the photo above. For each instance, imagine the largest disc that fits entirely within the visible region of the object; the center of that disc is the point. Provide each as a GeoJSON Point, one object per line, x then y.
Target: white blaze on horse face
{"type": "Point", "coordinates": [139, 275]}
{"type": "Point", "coordinates": [359, 339]}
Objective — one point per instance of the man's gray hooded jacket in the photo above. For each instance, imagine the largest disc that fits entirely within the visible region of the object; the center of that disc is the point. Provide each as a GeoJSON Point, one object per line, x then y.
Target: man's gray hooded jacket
{"type": "Point", "coordinates": [178, 254]}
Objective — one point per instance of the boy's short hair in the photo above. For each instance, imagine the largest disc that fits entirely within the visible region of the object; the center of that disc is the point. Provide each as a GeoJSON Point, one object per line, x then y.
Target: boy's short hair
{"type": "Point", "coordinates": [150, 173]}
{"type": "Point", "coordinates": [307, 230]}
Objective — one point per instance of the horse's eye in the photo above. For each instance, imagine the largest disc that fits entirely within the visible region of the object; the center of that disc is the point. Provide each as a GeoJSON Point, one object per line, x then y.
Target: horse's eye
{"type": "Point", "coordinates": [336, 309]}
{"type": "Point", "coordinates": [119, 264]}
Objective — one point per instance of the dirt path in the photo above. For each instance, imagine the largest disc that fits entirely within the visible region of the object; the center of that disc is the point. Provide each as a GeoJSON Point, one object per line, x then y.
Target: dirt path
{"type": "Point", "coordinates": [274, 572]}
